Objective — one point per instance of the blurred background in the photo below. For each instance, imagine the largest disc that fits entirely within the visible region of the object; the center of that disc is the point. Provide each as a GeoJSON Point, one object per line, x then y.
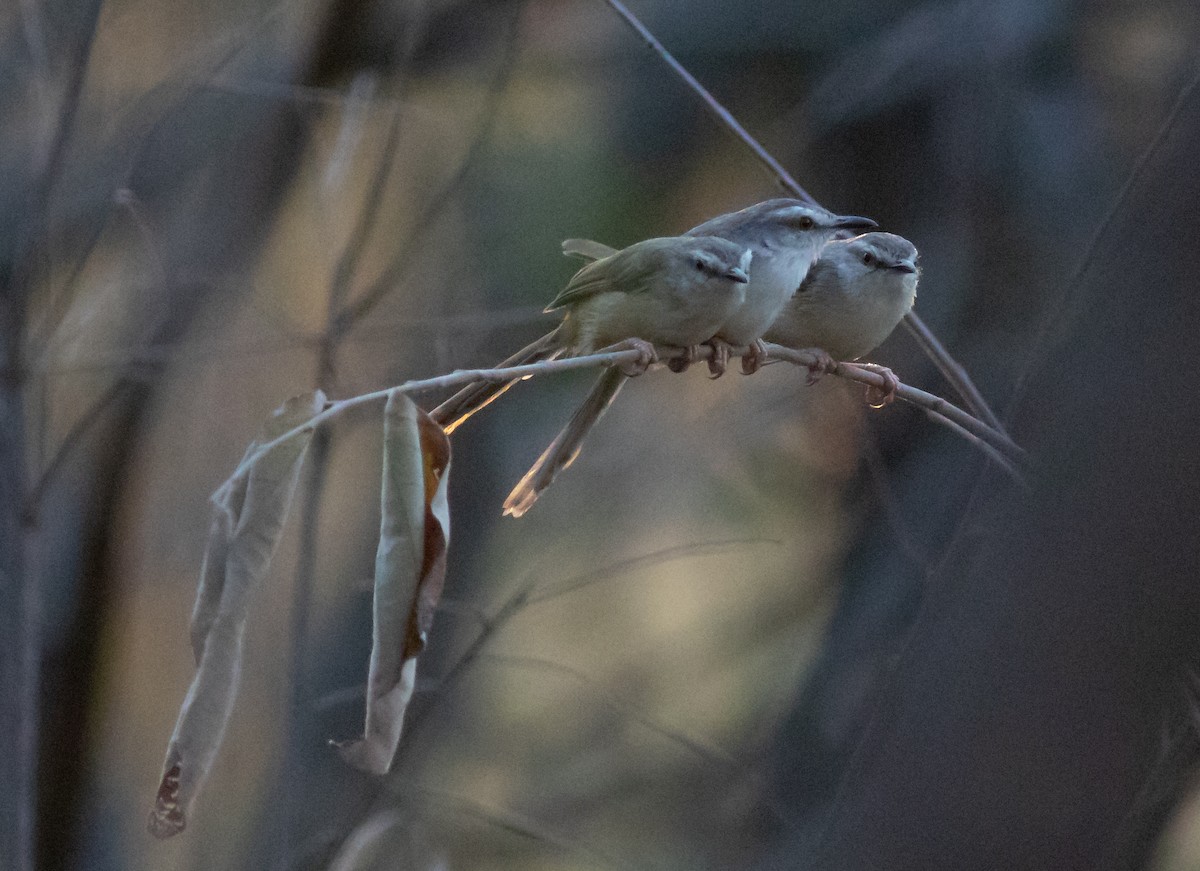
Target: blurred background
{"type": "Point", "coordinates": [763, 626]}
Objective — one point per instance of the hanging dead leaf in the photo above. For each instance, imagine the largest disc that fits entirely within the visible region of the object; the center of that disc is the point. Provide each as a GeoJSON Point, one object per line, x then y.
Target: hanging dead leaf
{"type": "Point", "coordinates": [249, 511]}
{"type": "Point", "coordinates": [410, 567]}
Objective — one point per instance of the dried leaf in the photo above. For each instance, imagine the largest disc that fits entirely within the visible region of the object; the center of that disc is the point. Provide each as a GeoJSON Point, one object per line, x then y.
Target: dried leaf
{"type": "Point", "coordinates": [410, 567]}
{"type": "Point", "coordinates": [249, 511]}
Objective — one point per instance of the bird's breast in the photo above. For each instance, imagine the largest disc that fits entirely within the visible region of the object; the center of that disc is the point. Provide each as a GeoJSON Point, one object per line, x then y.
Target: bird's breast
{"type": "Point", "coordinates": [775, 273]}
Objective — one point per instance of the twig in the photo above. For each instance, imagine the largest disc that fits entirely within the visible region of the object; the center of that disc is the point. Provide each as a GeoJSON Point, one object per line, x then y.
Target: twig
{"type": "Point", "coordinates": [658, 557]}
{"type": "Point", "coordinates": [723, 115]}
{"type": "Point", "coordinates": [355, 311]}
{"type": "Point", "coordinates": [849, 371]}
{"type": "Point", "coordinates": [942, 407]}
{"type": "Point", "coordinates": [709, 753]}
{"type": "Point", "coordinates": [934, 349]}
{"type": "Point", "coordinates": [929, 402]}
{"type": "Point", "coordinates": [954, 373]}
{"type": "Point", "coordinates": [33, 501]}
{"type": "Point", "coordinates": [1060, 306]}
{"type": "Point", "coordinates": [992, 453]}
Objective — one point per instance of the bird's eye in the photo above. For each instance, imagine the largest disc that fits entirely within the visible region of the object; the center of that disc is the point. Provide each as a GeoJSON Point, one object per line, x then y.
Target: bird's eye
{"type": "Point", "coordinates": [868, 258]}
{"type": "Point", "coordinates": [806, 223]}
{"type": "Point", "coordinates": [699, 264]}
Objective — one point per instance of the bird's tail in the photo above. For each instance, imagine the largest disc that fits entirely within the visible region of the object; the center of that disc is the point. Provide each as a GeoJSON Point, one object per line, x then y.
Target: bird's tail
{"type": "Point", "coordinates": [565, 447]}
{"type": "Point", "coordinates": [454, 411]}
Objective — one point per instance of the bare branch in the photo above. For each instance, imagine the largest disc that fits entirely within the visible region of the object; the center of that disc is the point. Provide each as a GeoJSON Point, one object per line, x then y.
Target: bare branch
{"type": "Point", "coordinates": [355, 311]}
{"type": "Point", "coordinates": [932, 404]}
{"type": "Point", "coordinates": [723, 115]}
{"type": "Point", "coordinates": [954, 373]}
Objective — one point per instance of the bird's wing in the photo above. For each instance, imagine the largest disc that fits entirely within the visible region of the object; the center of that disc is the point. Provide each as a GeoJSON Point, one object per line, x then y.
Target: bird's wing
{"type": "Point", "coordinates": [621, 272]}
{"type": "Point", "coordinates": [587, 249]}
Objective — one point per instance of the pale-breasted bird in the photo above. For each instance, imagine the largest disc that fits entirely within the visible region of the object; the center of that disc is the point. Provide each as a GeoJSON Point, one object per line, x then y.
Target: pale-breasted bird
{"type": "Point", "coordinates": [849, 301]}
{"type": "Point", "coordinates": [786, 236]}
{"type": "Point", "coordinates": [670, 291]}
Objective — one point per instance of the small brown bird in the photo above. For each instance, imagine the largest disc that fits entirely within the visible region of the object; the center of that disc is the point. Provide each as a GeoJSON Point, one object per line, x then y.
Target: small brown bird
{"type": "Point", "coordinates": [849, 301]}
{"type": "Point", "coordinates": [670, 291]}
{"type": "Point", "coordinates": [786, 237]}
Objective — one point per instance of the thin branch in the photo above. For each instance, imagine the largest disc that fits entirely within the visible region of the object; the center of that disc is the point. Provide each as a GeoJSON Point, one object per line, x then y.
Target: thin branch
{"type": "Point", "coordinates": [849, 371]}
{"type": "Point", "coordinates": [511, 821]}
{"type": "Point", "coordinates": [710, 753]}
{"type": "Point", "coordinates": [929, 344]}
{"type": "Point", "coordinates": [951, 370]}
{"type": "Point", "coordinates": [936, 404]}
{"type": "Point", "coordinates": [1059, 307]}
{"type": "Point", "coordinates": [992, 453]}
{"type": "Point", "coordinates": [78, 430]}
{"type": "Point", "coordinates": [355, 311]}
{"type": "Point", "coordinates": [722, 114]}
{"type": "Point", "coordinates": [683, 551]}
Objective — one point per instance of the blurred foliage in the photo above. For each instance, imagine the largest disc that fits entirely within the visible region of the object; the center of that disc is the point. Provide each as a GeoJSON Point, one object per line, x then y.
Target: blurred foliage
{"type": "Point", "coordinates": [191, 194]}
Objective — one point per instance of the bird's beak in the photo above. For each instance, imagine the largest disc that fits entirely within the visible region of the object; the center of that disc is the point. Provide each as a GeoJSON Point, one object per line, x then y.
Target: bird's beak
{"type": "Point", "coordinates": [904, 266]}
{"type": "Point", "coordinates": [738, 274]}
{"type": "Point", "coordinates": [854, 222]}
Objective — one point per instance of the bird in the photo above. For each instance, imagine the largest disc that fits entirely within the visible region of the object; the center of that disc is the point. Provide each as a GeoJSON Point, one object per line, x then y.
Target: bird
{"type": "Point", "coordinates": [675, 290]}
{"type": "Point", "coordinates": [850, 301]}
{"type": "Point", "coordinates": [846, 304]}
{"type": "Point", "coordinates": [786, 236]}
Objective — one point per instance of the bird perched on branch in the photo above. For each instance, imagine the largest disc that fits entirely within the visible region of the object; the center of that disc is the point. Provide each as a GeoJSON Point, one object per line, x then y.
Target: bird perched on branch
{"type": "Point", "coordinates": [848, 302]}
{"type": "Point", "coordinates": [671, 291]}
{"type": "Point", "coordinates": [786, 236]}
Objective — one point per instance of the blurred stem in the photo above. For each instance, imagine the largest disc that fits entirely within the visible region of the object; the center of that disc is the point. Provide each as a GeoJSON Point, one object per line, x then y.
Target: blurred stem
{"type": "Point", "coordinates": [978, 431]}
{"type": "Point", "coordinates": [306, 569]}
{"type": "Point", "coordinates": [302, 595]}
{"type": "Point", "coordinates": [19, 615]}
{"type": "Point", "coordinates": [56, 156]}
{"type": "Point", "coordinates": [951, 370]}
{"type": "Point", "coordinates": [354, 313]}
{"type": "Point", "coordinates": [20, 611]}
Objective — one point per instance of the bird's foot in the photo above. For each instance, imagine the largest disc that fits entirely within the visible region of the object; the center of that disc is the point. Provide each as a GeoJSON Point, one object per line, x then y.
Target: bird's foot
{"type": "Point", "coordinates": [755, 357]}
{"type": "Point", "coordinates": [680, 364]}
{"type": "Point", "coordinates": [646, 358]}
{"type": "Point", "coordinates": [719, 361]}
{"type": "Point", "coordinates": [821, 364]}
{"type": "Point", "coordinates": [878, 397]}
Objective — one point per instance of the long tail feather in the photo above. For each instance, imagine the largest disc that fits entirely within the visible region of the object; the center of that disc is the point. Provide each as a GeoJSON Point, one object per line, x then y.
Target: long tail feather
{"type": "Point", "coordinates": [565, 447]}
{"type": "Point", "coordinates": [452, 413]}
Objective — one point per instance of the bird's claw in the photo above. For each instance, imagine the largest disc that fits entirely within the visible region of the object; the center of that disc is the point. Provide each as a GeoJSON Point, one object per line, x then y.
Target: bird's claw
{"type": "Point", "coordinates": [878, 397]}
{"type": "Point", "coordinates": [681, 363]}
{"type": "Point", "coordinates": [821, 364]}
{"type": "Point", "coordinates": [719, 361]}
{"type": "Point", "coordinates": [755, 357]}
{"type": "Point", "coordinates": [647, 356]}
